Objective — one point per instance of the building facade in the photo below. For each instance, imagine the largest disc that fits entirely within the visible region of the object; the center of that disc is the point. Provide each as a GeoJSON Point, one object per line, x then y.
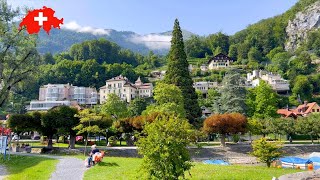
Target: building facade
{"type": "Point", "coordinates": [126, 90]}
{"type": "Point", "coordinates": [204, 86]}
{"type": "Point", "coordinates": [52, 95]}
{"type": "Point", "coordinates": [219, 61]}
{"type": "Point", "coordinates": [277, 83]}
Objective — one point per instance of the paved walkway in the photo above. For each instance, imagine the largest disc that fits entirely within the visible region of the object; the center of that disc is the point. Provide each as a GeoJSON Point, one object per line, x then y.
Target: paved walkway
{"type": "Point", "coordinates": [68, 168]}
{"type": "Point", "coordinates": [3, 172]}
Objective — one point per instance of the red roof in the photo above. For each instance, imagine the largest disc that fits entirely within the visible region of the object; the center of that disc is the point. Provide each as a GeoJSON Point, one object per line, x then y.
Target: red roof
{"type": "Point", "coordinates": [287, 113]}
{"type": "Point", "coordinates": [306, 109]}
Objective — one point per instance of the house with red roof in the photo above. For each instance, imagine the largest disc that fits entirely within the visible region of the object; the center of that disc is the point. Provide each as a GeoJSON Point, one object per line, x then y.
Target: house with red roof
{"type": "Point", "coordinates": [302, 110]}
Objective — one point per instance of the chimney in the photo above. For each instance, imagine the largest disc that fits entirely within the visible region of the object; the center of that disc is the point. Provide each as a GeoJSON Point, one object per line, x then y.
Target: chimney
{"type": "Point", "coordinates": [305, 105]}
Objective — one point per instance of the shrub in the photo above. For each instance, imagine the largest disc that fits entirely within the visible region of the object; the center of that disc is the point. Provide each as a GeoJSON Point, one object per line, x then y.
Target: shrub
{"type": "Point", "coordinates": [164, 147]}
{"type": "Point", "coordinates": [265, 151]}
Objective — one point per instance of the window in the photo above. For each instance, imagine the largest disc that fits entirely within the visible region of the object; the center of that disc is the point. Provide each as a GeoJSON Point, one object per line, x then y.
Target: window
{"type": "Point", "coordinates": [318, 110]}
{"type": "Point", "coordinates": [313, 110]}
{"type": "Point", "coordinates": [104, 91]}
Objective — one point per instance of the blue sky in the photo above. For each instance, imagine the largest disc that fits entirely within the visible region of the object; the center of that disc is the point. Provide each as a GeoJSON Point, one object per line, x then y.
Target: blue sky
{"type": "Point", "coordinates": [202, 17]}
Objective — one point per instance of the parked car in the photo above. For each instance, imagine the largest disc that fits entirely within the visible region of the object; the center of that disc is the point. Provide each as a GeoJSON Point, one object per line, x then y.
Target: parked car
{"type": "Point", "coordinates": [15, 137]}
{"type": "Point", "coordinates": [101, 138]}
{"type": "Point", "coordinates": [36, 138]}
{"type": "Point", "coordinates": [79, 138]}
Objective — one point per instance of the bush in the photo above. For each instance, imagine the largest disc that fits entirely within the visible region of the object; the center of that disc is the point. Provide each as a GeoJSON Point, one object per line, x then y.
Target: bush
{"type": "Point", "coordinates": [164, 147]}
{"type": "Point", "coordinates": [265, 151]}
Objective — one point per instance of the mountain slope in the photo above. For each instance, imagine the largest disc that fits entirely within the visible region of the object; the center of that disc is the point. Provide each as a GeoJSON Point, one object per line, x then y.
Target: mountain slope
{"type": "Point", "coordinates": [61, 40]}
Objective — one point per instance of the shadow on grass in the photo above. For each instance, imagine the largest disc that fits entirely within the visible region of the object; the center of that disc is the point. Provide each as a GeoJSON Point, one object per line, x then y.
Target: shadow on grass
{"type": "Point", "coordinates": [107, 164]}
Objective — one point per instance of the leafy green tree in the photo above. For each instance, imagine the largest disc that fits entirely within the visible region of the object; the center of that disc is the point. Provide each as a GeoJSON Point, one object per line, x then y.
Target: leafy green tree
{"type": "Point", "coordinates": [66, 120]}
{"type": "Point", "coordinates": [115, 106]}
{"type": "Point", "coordinates": [265, 151]}
{"type": "Point", "coordinates": [48, 58]}
{"type": "Point", "coordinates": [262, 102]}
{"type": "Point", "coordinates": [233, 52]}
{"type": "Point", "coordinates": [300, 65]}
{"type": "Point", "coordinates": [169, 99]}
{"type": "Point", "coordinates": [219, 40]}
{"type": "Point", "coordinates": [196, 47]}
{"type": "Point", "coordinates": [19, 58]}
{"type": "Point", "coordinates": [218, 50]}
{"type": "Point", "coordinates": [302, 87]}
{"type": "Point", "coordinates": [165, 93]}
{"type": "Point", "coordinates": [280, 63]}
{"type": "Point", "coordinates": [178, 74]}
{"type": "Point", "coordinates": [232, 95]}
{"type": "Point", "coordinates": [308, 125]}
{"type": "Point", "coordinates": [201, 100]}
{"type": "Point", "coordinates": [92, 122]}
{"type": "Point", "coordinates": [49, 125]}
{"type": "Point", "coordinates": [137, 106]}
{"type": "Point", "coordinates": [275, 51]}
{"type": "Point", "coordinates": [254, 55]}
{"type": "Point", "coordinates": [20, 123]}
{"type": "Point", "coordinates": [164, 148]}
{"type": "Point", "coordinates": [223, 124]}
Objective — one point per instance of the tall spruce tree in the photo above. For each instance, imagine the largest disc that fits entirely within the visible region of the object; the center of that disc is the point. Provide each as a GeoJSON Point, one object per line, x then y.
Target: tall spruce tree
{"type": "Point", "coordinates": [178, 74]}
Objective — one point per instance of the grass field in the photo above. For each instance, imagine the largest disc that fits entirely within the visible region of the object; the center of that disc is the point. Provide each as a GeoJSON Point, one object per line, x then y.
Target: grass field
{"type": "Point", "coordinates": [27, 167]}
{"type": "Point", "coordinates": [128, 168]}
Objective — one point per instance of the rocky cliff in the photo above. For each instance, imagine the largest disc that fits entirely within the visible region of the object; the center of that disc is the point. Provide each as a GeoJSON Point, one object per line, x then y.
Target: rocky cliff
{"type": "Point", "coordinates": [298, 28]}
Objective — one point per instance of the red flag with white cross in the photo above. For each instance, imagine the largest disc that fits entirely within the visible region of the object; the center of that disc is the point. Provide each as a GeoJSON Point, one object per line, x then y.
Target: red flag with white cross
{"type": "Point", "coordinates": [38, 18]}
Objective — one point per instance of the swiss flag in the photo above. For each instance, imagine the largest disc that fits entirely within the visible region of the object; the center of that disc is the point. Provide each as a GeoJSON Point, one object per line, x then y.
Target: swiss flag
{"type": "Point", "coordinates": [38, 18]}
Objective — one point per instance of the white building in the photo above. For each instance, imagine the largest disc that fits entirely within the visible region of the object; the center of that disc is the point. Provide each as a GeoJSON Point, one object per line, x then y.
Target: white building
{"type": "Point", "coordinates": [204, 86]}
{"type": "Point", "coordinates": [219, 61]}
{"type": "Point", "coordinates": [126, 90]}
{"type": "Point", "coordinates": [277, 83]}
{"type": "Point", "coordinates": [204, 68]}
{"type": "Point", "coordinates": [52, 95]}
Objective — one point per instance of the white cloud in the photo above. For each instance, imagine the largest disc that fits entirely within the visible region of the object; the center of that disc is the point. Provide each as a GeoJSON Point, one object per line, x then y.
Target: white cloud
{"type": "Point", "coordinates": [74, 26]}
{"type": "Point", "coordinates": [152, 41]}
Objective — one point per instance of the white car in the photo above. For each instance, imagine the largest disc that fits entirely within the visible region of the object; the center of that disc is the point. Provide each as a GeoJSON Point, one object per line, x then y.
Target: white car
{"type": "Point", "coordinates": [101, 138]}
{"type": "Point", "coordinates": [15, 137]}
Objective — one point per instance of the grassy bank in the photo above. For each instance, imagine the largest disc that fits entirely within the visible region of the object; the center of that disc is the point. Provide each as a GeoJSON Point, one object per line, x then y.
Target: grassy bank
{"type": "Point", "coordinates": [27, 167]}
{"type": "Point", "coordinates": [128, 168]}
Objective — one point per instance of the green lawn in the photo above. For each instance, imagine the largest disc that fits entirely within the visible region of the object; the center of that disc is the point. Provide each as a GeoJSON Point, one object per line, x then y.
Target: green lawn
{"type": "Point", "coordinates": [27, 167]}
{"type": "Point", "coordinates": [128, 168]}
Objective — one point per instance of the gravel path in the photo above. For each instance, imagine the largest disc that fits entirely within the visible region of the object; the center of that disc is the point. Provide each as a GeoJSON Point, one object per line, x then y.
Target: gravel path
{"type": "Point", "coordinates": [70, 169]}
{"type": "Point", "coordinates": [3, 172]}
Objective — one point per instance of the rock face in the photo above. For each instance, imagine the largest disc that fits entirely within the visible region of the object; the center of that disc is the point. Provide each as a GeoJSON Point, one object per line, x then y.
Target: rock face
{"type": "Point", "coordinates": [298, 28]}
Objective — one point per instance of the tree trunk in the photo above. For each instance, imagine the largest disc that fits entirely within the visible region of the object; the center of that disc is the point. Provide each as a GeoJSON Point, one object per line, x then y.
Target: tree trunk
{"type": "Point", "coordinates": [311, 138]}
{"type": "Point", "coordinates": [223, 140]}
{"type": "Point", "coordinates": [50, 142]}
{"type": "Point", "coordinates": [72, 141]}
{"type": "Point", "coordinates": [268, 164]}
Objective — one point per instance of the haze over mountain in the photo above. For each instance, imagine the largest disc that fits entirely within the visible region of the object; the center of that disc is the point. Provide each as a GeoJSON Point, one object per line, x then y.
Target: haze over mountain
{"type": "Point", "coordinates": [72, 33]}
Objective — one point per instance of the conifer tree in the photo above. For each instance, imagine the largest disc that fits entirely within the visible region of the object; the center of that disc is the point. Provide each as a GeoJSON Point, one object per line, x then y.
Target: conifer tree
{"type": "Point", "coordinates": [178, 74]}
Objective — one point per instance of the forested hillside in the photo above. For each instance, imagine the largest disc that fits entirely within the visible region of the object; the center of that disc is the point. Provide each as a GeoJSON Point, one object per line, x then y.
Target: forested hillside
{"type": "Point", "coordinates": [62, 39]}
